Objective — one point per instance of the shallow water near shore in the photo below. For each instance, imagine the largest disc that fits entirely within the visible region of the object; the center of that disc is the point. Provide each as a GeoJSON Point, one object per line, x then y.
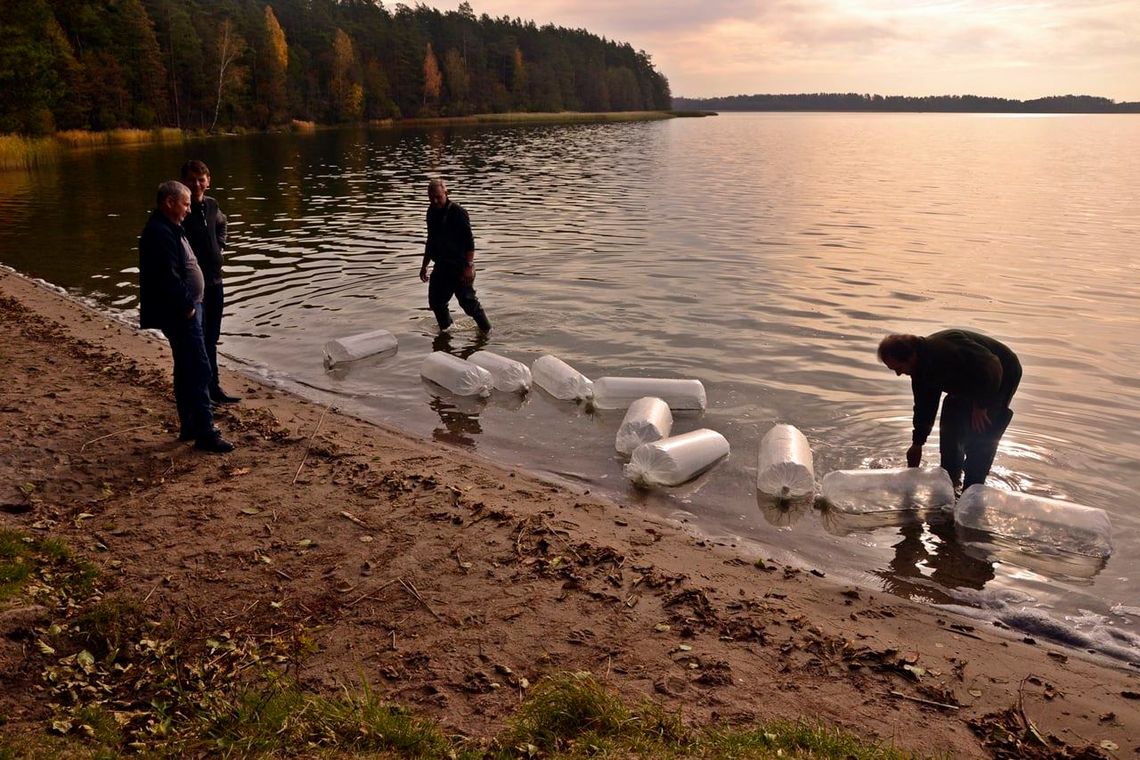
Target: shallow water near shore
{"type": "Point", "coordinates": [764, 254]}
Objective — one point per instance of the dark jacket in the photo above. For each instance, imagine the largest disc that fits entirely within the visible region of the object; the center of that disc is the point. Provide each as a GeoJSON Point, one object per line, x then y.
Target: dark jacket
{"type": "Point", "coordinates": [165, 293]}
{"type": "Point", "coordinates": [449, 234]}
{"type": "Point", "coordinates": [965, 364]}
{"type": "Point", "coordinates": [205, 227]}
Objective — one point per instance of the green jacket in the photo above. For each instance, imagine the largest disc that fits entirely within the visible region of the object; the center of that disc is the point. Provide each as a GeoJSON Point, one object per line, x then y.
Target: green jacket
{"type": "Point", "coordinates": [965, 364]}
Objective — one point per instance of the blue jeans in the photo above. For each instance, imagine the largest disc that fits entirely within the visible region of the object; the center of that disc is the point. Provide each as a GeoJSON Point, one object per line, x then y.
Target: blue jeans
{"type": "Point", "coordinates": [191, 374]}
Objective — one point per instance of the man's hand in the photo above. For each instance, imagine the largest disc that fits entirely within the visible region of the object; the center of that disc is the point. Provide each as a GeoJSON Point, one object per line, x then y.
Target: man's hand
{"type": "Point", "coordinates": [980, 419]}
{"type": "Point", "coordinates": [914, 455]}
{"type": "Point", "coordinates": [468, 276]}
{"type": "Point", "coordinates": [423, 273]}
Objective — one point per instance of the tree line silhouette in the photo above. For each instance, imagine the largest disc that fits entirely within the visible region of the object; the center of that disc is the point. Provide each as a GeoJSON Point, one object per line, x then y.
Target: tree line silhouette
{"type": "Point", "coordinates": [947, 103]}
{"type": "Point", "coordinates": [221, 64]}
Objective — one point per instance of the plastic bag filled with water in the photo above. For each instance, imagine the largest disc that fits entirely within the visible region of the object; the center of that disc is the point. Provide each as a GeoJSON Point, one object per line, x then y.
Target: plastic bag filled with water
{"type": "Point", "coordinates": [647, 419]}
{"type": "Point", "coordinates": [785, 463]}
{"type": "Point", "coordinates": [676, 460]}
{"type": "Point", "coordinates": [459, 376]}
{"type": "Point", "coordinates": [560, 380]}
{"type": "Point", "coordinates": [620, 392]}
{"type": "Point", "coordinates": [355, 347]}
{"type": "Point", "coordinates": [894, 490]}
{"type": "Point", "coordinates": [1051, 523]}
{"type": "Point", "coordinates": [510, 375]}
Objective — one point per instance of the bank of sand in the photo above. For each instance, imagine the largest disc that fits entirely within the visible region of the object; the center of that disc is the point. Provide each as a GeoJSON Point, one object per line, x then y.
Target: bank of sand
{"type": "Point", "coordinates": [430, 572]}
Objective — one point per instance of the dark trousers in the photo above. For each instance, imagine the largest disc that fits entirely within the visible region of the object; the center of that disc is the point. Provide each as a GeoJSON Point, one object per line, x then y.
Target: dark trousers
{"type": "Point", "coordinates": [963, 449]}
{"type": "Point", "coordinates": [191, 374]}
{"type": "Point", "coordinates": [447, 281]}
{"type": "Point", "coordinates": [212, 302]}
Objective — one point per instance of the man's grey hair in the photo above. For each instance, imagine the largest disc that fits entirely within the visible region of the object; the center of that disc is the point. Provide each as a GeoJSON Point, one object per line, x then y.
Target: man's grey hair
{"type": "Point", "coordinates": [435, 182]}
{"type": "Point", "coordinates": [172, 188]}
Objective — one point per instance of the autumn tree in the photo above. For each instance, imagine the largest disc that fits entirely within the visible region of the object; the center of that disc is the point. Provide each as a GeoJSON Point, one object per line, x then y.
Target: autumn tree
{"type": "Point", "coordinates": [347, 94]}
{"type": "Point", "coordinates": [275, 68]}
{"type": "Point", "coordinates": [458, 82]}
{"type": "Point", "coordinates": [433, 79]}
{"type": "Point", "coordinates": [228, 48]}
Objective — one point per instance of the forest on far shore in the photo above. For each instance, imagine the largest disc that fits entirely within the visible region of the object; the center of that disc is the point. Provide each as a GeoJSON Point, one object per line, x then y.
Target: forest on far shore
{"type": "Point", "coordinates": [853, 101]}
{"type": "Point", "coordinates": [222, 64]}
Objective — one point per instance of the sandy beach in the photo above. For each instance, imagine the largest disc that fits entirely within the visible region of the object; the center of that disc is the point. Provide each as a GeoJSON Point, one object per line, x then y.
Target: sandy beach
{"type": "Point", "coordinates": [450, 583]}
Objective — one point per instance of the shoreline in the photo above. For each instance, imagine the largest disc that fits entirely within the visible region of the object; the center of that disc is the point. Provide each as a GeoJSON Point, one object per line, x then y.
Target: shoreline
{"type": "Point", "coordinates": [513, 570]}
{"type": "Point", "coordinates": [20, 152]}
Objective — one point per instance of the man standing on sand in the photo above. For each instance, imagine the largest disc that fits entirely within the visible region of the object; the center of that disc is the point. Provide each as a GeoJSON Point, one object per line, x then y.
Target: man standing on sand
{"type": "Point", "coordinates": [205, 227]}
{"type": "Point", "coordinates": [170, 299]}
{"type": "Point", "coordinates": [979, 376]}
{"type": "Point", "coordinates": [451, 245]}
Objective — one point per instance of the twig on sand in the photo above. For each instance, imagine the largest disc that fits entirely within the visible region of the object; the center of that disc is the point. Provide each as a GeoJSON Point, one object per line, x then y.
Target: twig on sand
{"type": "Point", "coordinates": [922, 701]}
{"type": "Point", "coordinates": [353, 518]}
{"type": "Point", "coordinates": [109, 435]}
{"type": "Point", "coordinates": [411, 589]}
{"type": "Point", "coordinates": [565, 543]}
{"type": "Point", "coordinates": [378, 589]}
{"type": "Point", "coordinates": [309, 445]}
{"type": "Point", "coordinates": [1030, 726]}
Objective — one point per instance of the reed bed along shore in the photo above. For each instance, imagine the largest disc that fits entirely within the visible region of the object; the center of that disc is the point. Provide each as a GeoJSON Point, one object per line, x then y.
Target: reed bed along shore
{"type": "Point", "coordinates": [20, 152]}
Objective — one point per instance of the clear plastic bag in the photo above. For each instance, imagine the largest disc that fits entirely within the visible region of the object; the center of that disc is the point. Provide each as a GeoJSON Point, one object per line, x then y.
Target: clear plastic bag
{"type": "Point", "coordinates": [459, 376]}
{"type": "Point", "coordinates": [620, 392]}
{"type": "Point", "coordinates": [510, 375]}
{"type": "Point", "coordinates": [785, 463]}
{"type": "Point", "coordinates": [1049, 523]}
{"type": "Point", "coordinates": [647, 419]}
{"type": "Point", "coordinates": [355, 347]}
{"type": "Point", "coordinates": [676, 460]}
{"type": "Point", "coordinates": [895, 490]}
{"type": "Point", "coordinates": [560, 380]}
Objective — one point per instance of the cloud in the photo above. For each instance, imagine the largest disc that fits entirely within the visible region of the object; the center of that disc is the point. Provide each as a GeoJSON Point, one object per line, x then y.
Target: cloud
{"type": "Point", "coordinates": [1010, 48]}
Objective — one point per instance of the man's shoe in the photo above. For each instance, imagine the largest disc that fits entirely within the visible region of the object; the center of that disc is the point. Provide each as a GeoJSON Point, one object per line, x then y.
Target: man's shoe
{"type": "Point", "coordinates": [218, 396]}
{"type": "Point", "coordinates": [214, 444]}
{"type": "Point", "coordinates": [186, 434]}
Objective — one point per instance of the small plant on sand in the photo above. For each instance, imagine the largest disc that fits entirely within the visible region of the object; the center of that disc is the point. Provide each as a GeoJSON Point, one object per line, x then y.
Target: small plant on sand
{"type": "Point", "coordinates": [42, 568]}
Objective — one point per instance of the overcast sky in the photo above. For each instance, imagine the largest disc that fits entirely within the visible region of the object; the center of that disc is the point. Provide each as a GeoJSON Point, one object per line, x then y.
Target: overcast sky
{"type": "Point", "coordinates": [1015, 49]}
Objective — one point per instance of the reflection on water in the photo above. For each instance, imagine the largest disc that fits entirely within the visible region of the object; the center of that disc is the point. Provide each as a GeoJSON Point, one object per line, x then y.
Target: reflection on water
{"type": "Point", "coordinates": [764, 254]}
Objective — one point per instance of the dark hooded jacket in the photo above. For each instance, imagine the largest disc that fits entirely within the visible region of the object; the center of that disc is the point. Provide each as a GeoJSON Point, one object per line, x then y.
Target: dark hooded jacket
{"type": "Point", "coordinates": [961, 363]}
{"type": "Point", "coordinates": [449, 235]}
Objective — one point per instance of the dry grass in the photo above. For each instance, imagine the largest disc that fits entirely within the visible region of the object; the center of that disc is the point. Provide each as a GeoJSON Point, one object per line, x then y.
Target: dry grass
{"type": "Point", "coordinates": [18, 152]}
{"type": "Point", "coordinates": [557, 117]}
{"type": "Point", "coordinates": [80, 138]}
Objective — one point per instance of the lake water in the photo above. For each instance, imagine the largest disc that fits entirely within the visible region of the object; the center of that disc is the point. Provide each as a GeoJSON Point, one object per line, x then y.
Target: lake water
{"type": "Point", "coordinates": [765, 254]}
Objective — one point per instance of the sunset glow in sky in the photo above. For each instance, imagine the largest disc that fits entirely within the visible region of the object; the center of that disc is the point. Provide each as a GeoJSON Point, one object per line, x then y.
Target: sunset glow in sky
{"type": "Point", "coordinates": [1006, 48]}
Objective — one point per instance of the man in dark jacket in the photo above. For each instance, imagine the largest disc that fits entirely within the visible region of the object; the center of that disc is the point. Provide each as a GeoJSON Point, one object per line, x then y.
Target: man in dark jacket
{"type": "Point", "coordinates": [979, 376]}
{"type": "Point", "coordinates": [205, 227]}
{"type": "Point", "coordinates": [451, 245]}
{"type": "Point", "coordinates": [170, 299]}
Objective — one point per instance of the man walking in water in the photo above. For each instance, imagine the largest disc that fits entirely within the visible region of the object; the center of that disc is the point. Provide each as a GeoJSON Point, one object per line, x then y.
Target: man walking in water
{"type": "Point", "coordinates": [451, 245]}
{"type": "Point", "coordinates": [979, 376]}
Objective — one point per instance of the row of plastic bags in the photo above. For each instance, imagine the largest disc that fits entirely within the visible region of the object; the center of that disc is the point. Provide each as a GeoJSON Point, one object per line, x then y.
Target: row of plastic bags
{"type": "Point", "coordinates": [785, 463]}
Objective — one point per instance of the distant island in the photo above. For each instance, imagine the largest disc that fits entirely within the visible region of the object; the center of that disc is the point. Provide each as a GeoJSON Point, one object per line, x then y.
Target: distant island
{"type": "Point", "coordinates": [853, 101]}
